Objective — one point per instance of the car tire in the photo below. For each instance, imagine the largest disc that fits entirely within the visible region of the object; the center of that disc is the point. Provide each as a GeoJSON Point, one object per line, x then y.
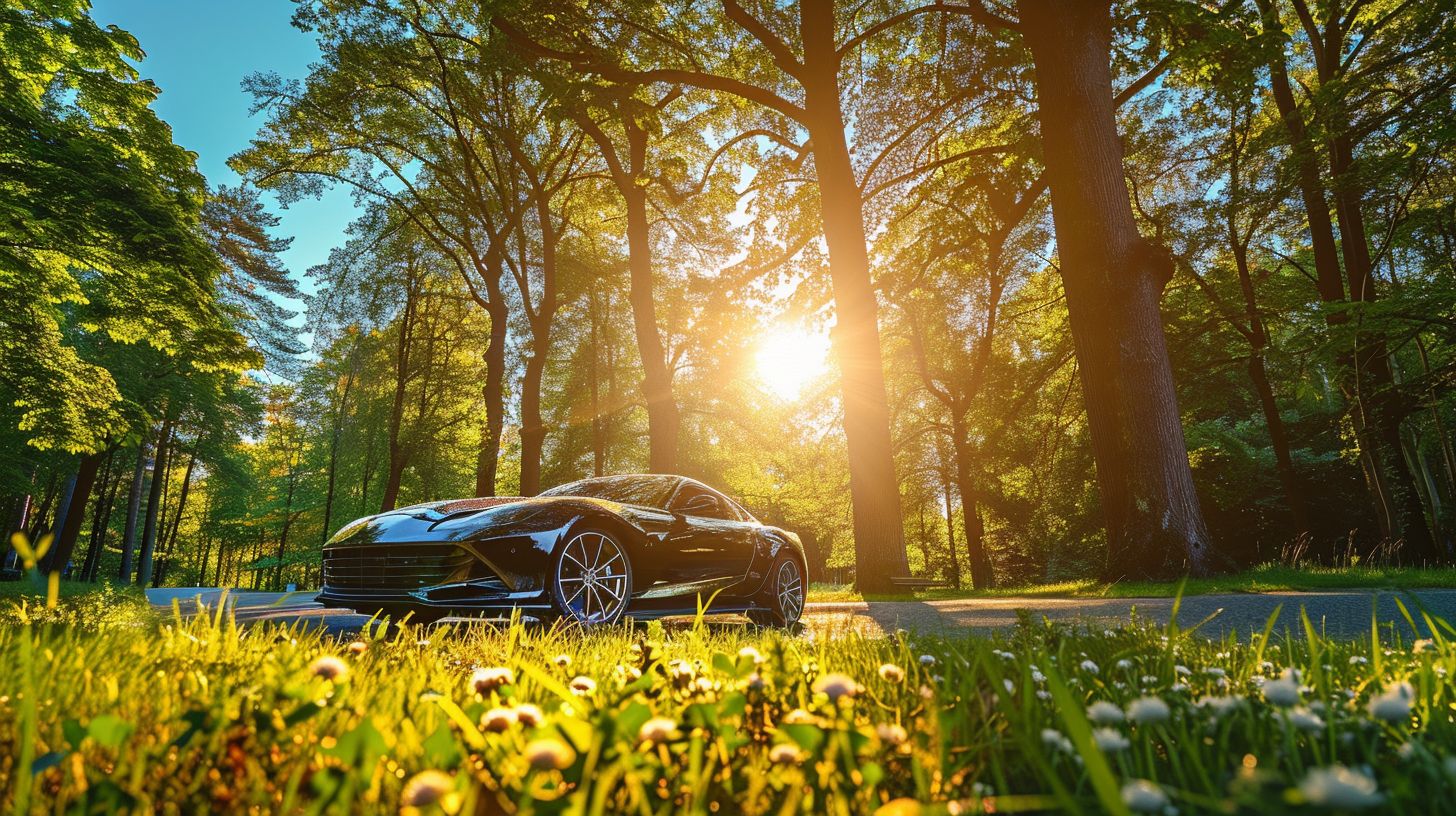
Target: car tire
{"type": "Point", "coordinates": [591, 578]}
{"type": "Point", "coordinates": [782, 601]}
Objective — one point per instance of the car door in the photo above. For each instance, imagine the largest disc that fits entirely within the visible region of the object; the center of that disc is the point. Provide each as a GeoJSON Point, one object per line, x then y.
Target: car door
{"type": "Point", "coordinates": [712, 544]}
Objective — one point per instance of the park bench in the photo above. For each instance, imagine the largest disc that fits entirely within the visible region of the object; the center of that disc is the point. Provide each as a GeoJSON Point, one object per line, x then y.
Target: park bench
{"type": "Point", "coordinates": [908, 582]}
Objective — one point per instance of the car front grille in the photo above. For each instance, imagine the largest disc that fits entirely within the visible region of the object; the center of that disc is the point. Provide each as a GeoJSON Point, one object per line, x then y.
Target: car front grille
{"type": "Point", "coordinates": [396, 567]}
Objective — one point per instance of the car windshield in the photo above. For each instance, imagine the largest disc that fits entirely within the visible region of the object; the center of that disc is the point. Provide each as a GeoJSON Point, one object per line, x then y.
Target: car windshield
{"type": "Point", "coordinates": [649, 491]}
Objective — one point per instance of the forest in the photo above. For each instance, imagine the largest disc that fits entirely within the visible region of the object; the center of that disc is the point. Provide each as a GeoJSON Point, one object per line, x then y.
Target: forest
{"type": "Point", "coordinates": [987, 292]}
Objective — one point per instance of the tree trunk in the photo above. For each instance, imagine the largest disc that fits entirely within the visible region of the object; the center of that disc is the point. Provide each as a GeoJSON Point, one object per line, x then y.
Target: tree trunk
{"type": "Point", "coordinates": [1113, 280]}
{"type": "Point", "coordinates": [64, 512]}
{"type": "Point", "coordinates": [599, 428]}
{"type": "Point", "coordinates": [879, 537]}
{"type": "Point", "coordinates": [65, 543]}
{"type": "Point", "coordinates": [101, 521]}
{"type": "Point", "coordinates": [133, 509]}
{"type": "Point", "coordinates": [334, 437]}
{"type": "Point", "coordinates": [171, 538]}
{"type": "Point", "coordinates": [154, 499]}
{"type": "Point", "coordinates": [983, 576]}
{"type": "Point", "coordinates": [488, 459]}
{"type": "Point", "coordinates": [945, 487]}
{"type": "Point", "coordinates": [397, 453]}
{"type": "Point", "coordinates": [662, 415]}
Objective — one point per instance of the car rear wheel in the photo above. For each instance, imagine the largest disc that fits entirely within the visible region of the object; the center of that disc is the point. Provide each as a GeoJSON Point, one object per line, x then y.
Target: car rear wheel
{"type": "Point", "coordinates": [782, 601]}
{"type": "Point", "coordinates": [592, 578]}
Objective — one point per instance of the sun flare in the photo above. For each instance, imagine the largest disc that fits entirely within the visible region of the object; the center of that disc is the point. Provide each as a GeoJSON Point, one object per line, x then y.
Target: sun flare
{"type": "Point", "coordinates": [789, 359]}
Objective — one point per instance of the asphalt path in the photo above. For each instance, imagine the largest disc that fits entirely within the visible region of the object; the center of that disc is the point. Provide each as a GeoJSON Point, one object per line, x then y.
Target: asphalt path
{"type": "Point", "coordinates": [1334, 613]}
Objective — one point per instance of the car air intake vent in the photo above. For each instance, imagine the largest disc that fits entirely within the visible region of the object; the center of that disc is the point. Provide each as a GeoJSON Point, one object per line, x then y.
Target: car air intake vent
{"type": "Point", "coordinates": [403, 567]}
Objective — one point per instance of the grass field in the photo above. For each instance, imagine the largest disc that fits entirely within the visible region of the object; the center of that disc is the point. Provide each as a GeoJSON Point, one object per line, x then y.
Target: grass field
{"type": "Point", "coordinates": [1266, 578]}
{"type": "Point", "coordinates": [198, 715]}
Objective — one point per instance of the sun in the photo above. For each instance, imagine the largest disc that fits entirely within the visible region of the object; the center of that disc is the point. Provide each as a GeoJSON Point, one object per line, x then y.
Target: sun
{"type": "Point", "coordinates": [788, 359]}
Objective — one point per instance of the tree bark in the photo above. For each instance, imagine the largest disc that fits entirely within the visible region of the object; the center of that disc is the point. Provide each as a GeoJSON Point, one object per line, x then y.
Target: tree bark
{"type": "Point", "coordinates": [1113, 280]}
{"type": "Point", "coordinates": [334, 437]}
{"type": "Point", "coordinates": [945, 487]}
{"type": "Point", "coordinates": [983, 576]}
{"type": "Point", "coordinates": [133, 510]}
{"type": "Point", "coordinates": [170, 542]}
{"type": "Point", "coordinates": [154, 499]}
{"type": "Point", "coordinates": [101, 521]}
{"type": "Point", "coordinates": [488, 460]}
{"type": "Point", "coordinates": [65, 543]}
{"type": "Point", "coordinates": [397, 453]}
{"type": "Point", "coordinates": [879, 537]}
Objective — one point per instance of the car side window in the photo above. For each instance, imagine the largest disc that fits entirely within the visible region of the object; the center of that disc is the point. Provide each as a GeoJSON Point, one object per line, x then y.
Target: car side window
{"type": "Point", "coordinates": [695, 501]}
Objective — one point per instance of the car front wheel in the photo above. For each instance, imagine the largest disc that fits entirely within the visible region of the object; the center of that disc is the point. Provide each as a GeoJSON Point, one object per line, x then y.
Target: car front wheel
{"type": "Point", "coordinates": [782, 602]}
{"type": "Point", "coordinates": [592, 578]}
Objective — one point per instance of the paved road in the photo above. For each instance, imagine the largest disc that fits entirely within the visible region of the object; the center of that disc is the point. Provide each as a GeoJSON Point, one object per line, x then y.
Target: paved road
{"type": "Point", "coordinates": [1343, 614]}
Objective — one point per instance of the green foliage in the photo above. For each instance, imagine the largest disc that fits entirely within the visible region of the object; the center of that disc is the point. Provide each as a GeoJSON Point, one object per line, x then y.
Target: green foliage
{"type": "Point", "coordinates": [518, 719]}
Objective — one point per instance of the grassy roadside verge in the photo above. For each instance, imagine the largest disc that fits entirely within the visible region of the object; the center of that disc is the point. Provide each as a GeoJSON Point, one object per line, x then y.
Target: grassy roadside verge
{"type": "Point", "coordinates": [1267, 578]}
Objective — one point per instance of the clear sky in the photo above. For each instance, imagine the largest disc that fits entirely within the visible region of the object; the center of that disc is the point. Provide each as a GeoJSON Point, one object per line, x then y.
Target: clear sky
{"type": "Point", "coordinates": [198, 52]}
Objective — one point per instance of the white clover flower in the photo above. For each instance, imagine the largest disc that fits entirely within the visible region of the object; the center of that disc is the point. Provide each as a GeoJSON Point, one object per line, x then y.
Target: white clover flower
{"type": "Point", "coordinates": [1036, 676]}
{"type": "Point", "coordinates": [1052, 738]}
{"type": "Point", "coordinates": [1110, 740]}
{"type": "Point", "coordinates": [1266, 667]}
{"type": "Point", "coordinates": [1340, 787]}
{"type": "Point", "coordinates": [785, 754]}
{"type": "Point", "coordinates": [1220, 706]}
{"type": "Point", "coordinates": [529, 715]}
{"type": "Point", "coordinates": [484, 681]}
{"type": "Point", "coordinates": [498, 719]}
{"type": "Point", "coordinates": [1305, 719]}
{"type": "Point", "coordinates": [549, 754]}
{"type": "Point", "coordinates": [426, 788]}
{"type": "Point", "coordinates": [1183, 671]}
{"type": "Point", "coordinates": [891, 673]}
{"type": "Point", "coordinates": [1282, 692]}
{"type": "Point", "coordinates": [562, 661]}
{"type": "Point", "coordinates": [1104, 713]}
{"type": "Point", "coordinates": [835, 686]}
{"type": "Point", "coordinates": [1043, 694]}
{"type": "Point", "coordinates": [1145, 710]}
{"type": "Point", "coordinates": [657, 730]}
{"type": "Point", "coordinates": [891, 734]}
{"type": "Point", "coordinates": [1124, 664]}
{"type": "Point", "coordinates": [1150, 679]}
{"type": "Point", "coordinates": [1089, 667]}
{"type": "Point", "coordinates": [329, 668]}
{"type": "Point", "coordinates": [1144, 796]}
{"type": "Point", "coordinates": [1394, 704]}
{"type": "Point", "coordinates": [927, 660]}
{"type": "Point", "coordinates": [1010, 686]}
{"type": "Point", "coordinates": [1178, 688]}
{"type": "Point", "coordinates": [583, 686]}
{"type": "Point", "coordinates": [1214, 671]}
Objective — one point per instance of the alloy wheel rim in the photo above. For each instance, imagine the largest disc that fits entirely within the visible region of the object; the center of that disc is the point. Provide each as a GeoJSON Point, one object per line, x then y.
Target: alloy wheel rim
{"type": "Point", "coordinates": [790, 591]}
{"type": "Point", "coordinates": [592, 575]}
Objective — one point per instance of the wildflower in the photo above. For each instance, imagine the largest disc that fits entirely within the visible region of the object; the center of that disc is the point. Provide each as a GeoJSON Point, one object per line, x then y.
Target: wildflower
{"type": "Point", "coordinates": [426, 788]}
{"type": "Point", "coordinates": [329, 668]}
{"type": "Point", "coordinates": [784, 754]}
{"type": "Point", "coordinates": [583, 686]}
{"type": "Point", "coordinates": [1182, 670]}
{"type": "Point", "coordinates": [1340, 787]}
{"type": "Point", "coordinates": [484, 681]}
{"type": "Point", "coordinates": [1052, 738]}
{"type": "Point", "coordinates": [1305, 720]}
{"type": "Point", "coordinates": [1282, 692]}
{"type": "Point", "coordinates": [892, 673]}
{"type": "Point", "coordinates": [498, 719]}
{"type": "Point", "coordinates": [1043, 694]}
{"type": "Point", "coordinates": [799, 717]}
{"type": "Point", "coordinates": [1124, 664]}
{"type": "Point", "coordinates": [1110, 740]}
{"type": "Point", "coordinates": [1214, 671]}
{"type": "Point", "coordinates": [529, 715]}
{"type": "Point", "coordinates": [1089, 667]}
{"type": "Point", "coordinates": [927, 660]}
{"type": "Point", "coordinates": [835, 686]}
{"type": "Point", "coordinates": [1178, 688]}
{"type": "Point", "coordinates": [752, 654]}
{"type": "Point", "coordinates": [1423, 645]}
{"type": "Point", "coordinates": [358, 647]}
{"type": "Point", "coordinates": [1406, 751]}
{"type": "Point", "coordinates": [1104, 713]}
{"type": "Point", "coordinates": [1146, 710]}
{"type": "Point", "coordinates": [1010, 686]}
{"type": "Point", "coordinates": [549, 754]}
{"type": "Point", "coordinates": [1220, 705]}
{"type": "Point", "coordinates": [891, 734]}
{"type": "Point", "coordinates": [1394, 704]}
{"type": "Point", "coordinates": [562, 661]}
{"type": "Point", "coordinates": [657, 730]}
{"type": "Point", "coordinates": [1144, 796]}
{"type": "Point", "coordinates": [1036, 676]}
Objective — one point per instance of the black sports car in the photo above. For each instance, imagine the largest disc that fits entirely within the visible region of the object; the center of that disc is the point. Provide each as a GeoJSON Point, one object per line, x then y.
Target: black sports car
{"type": "Point", "coordinates": [594, 551]}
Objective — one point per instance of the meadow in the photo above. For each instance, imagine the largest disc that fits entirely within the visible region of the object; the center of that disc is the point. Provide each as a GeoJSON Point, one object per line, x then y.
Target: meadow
{"type": "Point", "coordinates": [192, 713]}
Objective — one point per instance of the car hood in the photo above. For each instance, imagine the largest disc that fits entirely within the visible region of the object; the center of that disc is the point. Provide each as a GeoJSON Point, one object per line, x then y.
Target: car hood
{"type": "Point", "coordinates": [461, 519]}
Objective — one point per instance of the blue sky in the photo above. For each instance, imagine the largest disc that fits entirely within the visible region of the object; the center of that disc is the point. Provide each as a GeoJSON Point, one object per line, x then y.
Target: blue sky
{"type": "Point", "coordinates": [198, 52]}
